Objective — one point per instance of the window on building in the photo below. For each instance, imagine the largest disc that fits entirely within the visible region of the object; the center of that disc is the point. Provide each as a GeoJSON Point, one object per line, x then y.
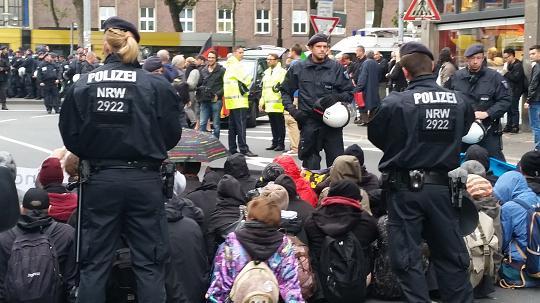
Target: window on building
{"type": "Point", "coordinates": [147, 20]}
{"type": "Point", "coordinates": [105, 12]}
{"type": "Point", "coordinates": [11, 13]}
{"type": "Point", "coordinates": [340, 27]}
{"type": "Point", "coordinates": [445, 6]}
{"type": "Point", "coordinates": [262, 22]}
{"type": "Point", "coordinates": [515, 2]}
{"type": "Point", "coordinates": [224, 21]}
{"type": "Point", "coordinates": [493, 4]}
{"type": "Point", "coordinates": [300, 22]}
{"type": "Point", "coordinates": [187, 20]}
{"type": "Point", "coordinates": [370, 15]}
{"type": "Point", "coordinates": [469, 5]}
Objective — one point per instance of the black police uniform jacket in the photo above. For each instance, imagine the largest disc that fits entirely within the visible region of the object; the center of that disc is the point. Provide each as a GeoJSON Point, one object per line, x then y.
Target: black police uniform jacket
{"type": "Point", "coordinates": [48, 72]}
{"type": "Point", "coordinates": [315, 80]}
{"type": "Point", "coordinates": [488, 90]}
{"type": "Point", "coordinates": [119, 111]}
{"type": "Point", "coordinates": [421, 127]}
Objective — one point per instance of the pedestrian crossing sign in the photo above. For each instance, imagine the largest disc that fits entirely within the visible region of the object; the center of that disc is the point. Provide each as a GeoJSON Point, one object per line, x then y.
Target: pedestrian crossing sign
{"type": "Point", "coordinates": [422, 10]}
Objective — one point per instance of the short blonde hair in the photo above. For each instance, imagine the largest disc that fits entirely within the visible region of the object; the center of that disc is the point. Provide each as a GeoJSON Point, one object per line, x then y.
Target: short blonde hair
{"type": "Point", "coordinates": [123, 43]}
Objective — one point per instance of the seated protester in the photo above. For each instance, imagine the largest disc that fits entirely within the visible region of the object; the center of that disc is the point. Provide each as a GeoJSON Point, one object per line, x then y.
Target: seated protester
{"type": "Point", "coordinates": [369, 181]}
{"type": "Point", "coordinates": [302, 186]}
{"type": "Point", "coordinates": [55, 281]}
{"type": "Point", "coordinates": [9, 201]}
{"type": "Point", "coordinates": [270, 173]}
{"type": "Point", "coordinates": [510, 187]}
{"type": "Point", "coordinates": [6, 160]}
{"type": "Point", "coordinates": [190, 170]}
{"type": "Point", "coordinates": [340, 216]}
{"type": "Point", "coordinates": [259, 241]}
{"type": "Point", "coordinates": [236, 166]}
{"type": "Point", "coordinates": [187, 253]}
{"type": "Point", "coordinates": [227, 214]}
{"type": "Point", "coordinates": [480, 154]}
{"type": "Point", "coordinates": [296, 204]}
{"type": "Point", "coordinates": [62, 202]}
{"type": "Point", "coordinates": [71, 166]}
{"type": "Point", "coordinates": [529, 166]}
{"type": "Point", "coordinates": [205, 197]}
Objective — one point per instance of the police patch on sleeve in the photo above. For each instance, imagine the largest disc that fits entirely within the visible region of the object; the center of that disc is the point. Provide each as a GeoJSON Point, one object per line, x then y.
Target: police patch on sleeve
{"type": "Point", "coordinates": [505, 83]}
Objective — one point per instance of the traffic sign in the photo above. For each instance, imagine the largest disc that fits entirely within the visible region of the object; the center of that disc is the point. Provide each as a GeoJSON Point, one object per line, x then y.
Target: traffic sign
{"type": "Point", "coordinates": [422, 10]}
{"type": "Point", "coordinates": [324, 24]}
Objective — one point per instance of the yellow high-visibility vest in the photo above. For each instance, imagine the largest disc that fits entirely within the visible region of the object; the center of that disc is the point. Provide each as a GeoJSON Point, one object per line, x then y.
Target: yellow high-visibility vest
{"type": "Point", "coordinates": [231, 92]}
{"type": "Point", "coordinates": [272, 100]}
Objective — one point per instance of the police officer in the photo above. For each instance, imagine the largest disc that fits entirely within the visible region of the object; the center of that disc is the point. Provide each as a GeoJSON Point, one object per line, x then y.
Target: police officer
{"type": "Point", "coordinates": [419, 131]}
{"type": "Point", "coordinates": [120, 121]}
{"type": "Point", "coordinates": [489, 93]}
{"type": "Point", "coordinates": [30, 65]}
{"type": "Point", "coordinates": [17, 85]}
{"type": "Point", "coordinates": [315, 78]}
{"type": "Point", "coordinates": [49, 76]}
{"type": "Point", "coordinates": [271, 101]}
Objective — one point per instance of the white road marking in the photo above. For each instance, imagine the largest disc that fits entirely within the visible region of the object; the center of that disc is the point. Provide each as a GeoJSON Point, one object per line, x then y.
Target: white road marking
{"type": "Point", "coordinates": [42, 116]}
{"type": "Point", "coordinates": [8, 120]}
{"type": "Point", "coordinates": [47, 151]}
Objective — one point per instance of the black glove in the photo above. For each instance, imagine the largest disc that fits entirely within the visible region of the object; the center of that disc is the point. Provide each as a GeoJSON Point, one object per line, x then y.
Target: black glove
{"type": "Point", "coordinates": [297, 114]}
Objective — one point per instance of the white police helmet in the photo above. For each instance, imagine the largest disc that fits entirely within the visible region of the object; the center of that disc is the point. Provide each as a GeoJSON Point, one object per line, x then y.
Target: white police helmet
{"type": "Point", "coordinates": [476, 133]}
{"type": "Point", "coordinates": [337, 115]}
{"type": "Point", "coordinates": [22, 71]}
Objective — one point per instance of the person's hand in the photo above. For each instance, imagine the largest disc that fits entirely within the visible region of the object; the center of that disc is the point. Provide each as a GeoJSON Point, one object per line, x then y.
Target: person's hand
{"type": "Point", "coordinates": [526, 105]}
{"type": "Point", "coordinates": [56, 81]}
{"type": "Point", "coordinates": [42, 84]}
{"type": "Point", "coordinates": [481, 115]}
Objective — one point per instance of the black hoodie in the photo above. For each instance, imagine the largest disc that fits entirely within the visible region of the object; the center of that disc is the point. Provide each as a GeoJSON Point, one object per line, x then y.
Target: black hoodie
{"type": "Point", "coordinates": [369, 181]}
{"type": "Point", "coordinates": [237, 167]}
{"type": "Point", "coordinates": [480, 154]}
{"type": "Point", "coordinates": [187, 253]}
{"type": "Point", "coordinates": [9, 200]}
{"type": "Point", "coordinates": [205, 196]}
{"type": "Point", "coordinates": [62, 239]}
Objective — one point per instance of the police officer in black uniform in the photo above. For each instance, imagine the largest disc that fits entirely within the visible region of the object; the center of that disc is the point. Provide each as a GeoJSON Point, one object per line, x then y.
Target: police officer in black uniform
{"type": "Point", "coordinates": [120, 121]}
{"type": "Point", "coordinates": [30, 65]}
{"type": "Point", "coordinates": [315, 78]}
{"type": "Point", "coordinates": [489, 93]}
{"type": "Point", "coordinates": [419, 131]}
{"type": "Point", "coordinates": [49, 75]}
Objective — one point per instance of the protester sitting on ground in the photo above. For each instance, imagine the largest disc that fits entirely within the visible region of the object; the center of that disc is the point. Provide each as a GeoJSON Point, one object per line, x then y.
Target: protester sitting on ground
{"type": "Point", "coordinates": [303, 208]}
{"type": "Point", "coordinates": [269, 173]}
{"type": "Point", "coordinates": [510, 187]}
{"type": "Point", "coordinates": [62, 202]}
{"type": "Point", "coordinates": [190, 170]}
{"type": "Point", "coordinates": [205, 196]}
{"type": "Point", "coordinates": [529, 166]}
{"type": "Point", "coordinates": [187, 253]}
{"type": "Point", "coordinates": [236, 166]}
{"type": "Point", "coordinates": [369, 181]}
{"type": "Point", "coordinates": [302, 186]}
{"type": "Point", "coordinates": [340, 213]}
{"type": "Point", "coordinates": [260, 241]}
{"type": "Point", "coordinates": [9, 201]}
{"type": "Point", "coordinates": [6, 160]}
{"type": "Point", "coordinates": [34, 221]}
{"type": "Point", "coordinates": [480, 154]}
{"type": "Point", "coordinates": [227, 213]}
{"type": "Point", "coordinates": [71, 167]}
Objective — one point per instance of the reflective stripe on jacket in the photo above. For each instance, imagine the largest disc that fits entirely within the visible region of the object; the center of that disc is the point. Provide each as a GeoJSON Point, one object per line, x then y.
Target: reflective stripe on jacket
{"type": "Point", "coordinates": [234, 74]}
{"type": "Point", "coordinates": [272, 100]}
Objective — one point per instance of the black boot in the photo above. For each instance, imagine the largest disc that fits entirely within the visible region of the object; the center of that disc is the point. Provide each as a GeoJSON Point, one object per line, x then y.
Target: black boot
{"type": "Point", "coordinates": [4, 107]}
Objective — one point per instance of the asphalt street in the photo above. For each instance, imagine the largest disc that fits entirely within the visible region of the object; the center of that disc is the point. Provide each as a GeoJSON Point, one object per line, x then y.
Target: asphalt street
{"type": "Point", "coordinates": [30, 135]}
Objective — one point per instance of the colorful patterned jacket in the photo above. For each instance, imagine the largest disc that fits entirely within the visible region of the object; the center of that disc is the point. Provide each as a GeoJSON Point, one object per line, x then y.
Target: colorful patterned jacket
{"type": "Point", "coordinates": [231, 257]}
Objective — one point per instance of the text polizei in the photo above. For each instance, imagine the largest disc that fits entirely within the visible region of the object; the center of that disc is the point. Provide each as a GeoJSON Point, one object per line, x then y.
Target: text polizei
{"type": "Point", "coordinates": [435, 98]}
{"type": "Point", "coordinates": [112, 75]}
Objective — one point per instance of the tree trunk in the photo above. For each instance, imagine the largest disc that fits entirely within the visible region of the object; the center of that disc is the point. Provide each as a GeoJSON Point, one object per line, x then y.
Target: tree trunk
{"type": "Point", "coordinates": [377, 14]}
{"type": "Point", "coordinates": [174, 9]}
{"type": "Point", "coordinates": [234, 23]}
{"type": "Point", "coordinates": [53, 11]}
{"type": "Point", "coordinates": [79, 10]}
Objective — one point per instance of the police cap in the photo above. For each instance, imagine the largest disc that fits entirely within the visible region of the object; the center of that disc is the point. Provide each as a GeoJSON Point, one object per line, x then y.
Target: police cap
{"type": "Point", "coordinates": [415, 47]}
{"type": "Point", "coordinates": [320, 37]}
{"type": "Point", "coordinates": [116, 22]}
{"type": "Point", "coordinates": [473, 50]}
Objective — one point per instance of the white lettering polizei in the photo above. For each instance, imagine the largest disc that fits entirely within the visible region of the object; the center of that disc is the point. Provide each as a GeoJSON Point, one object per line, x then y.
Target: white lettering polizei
{"type": "Point", "coordinates": [111, 92]}
{"type": "Point", "coordinates": [112, 75]}
{"type": "Point", "coordinates": [434, 97]}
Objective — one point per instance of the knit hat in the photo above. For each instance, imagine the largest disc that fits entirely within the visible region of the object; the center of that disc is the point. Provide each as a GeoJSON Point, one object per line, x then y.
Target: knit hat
{"type": "Point", "coordinates": [474, 167]}
{"type": "Point", "coordinates": [530, 164]}
{"type": "Point", "coordinates": [272, 171]}
{"type": "Point", "coordinates": [36, 198]}
{"type": "Point", "coordinates": [355, 150]}
{"type": "Point", "coordinates": [478, 187]}
{"type": "Point", "coordinates": [278, 194]}
{"type": "Point", "coordinates": [152, 63]}
{"type": "Point", "coordinates": [264, 210]}
{"type": "Point", "coordinates": [51, 172]}
{"type": "Point", "coordinates": [345, 188]}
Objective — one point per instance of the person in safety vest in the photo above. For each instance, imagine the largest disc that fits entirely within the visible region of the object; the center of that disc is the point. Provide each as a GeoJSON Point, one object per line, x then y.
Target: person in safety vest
{"type": "Point", "coordinates": [235, 90]}
{"type": "Point", "coordinates": [271, 101]}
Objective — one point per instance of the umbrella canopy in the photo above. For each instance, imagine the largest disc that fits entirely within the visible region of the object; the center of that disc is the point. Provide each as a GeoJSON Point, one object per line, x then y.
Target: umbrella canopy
{"type": "Point", "coordinates": [196, 146]}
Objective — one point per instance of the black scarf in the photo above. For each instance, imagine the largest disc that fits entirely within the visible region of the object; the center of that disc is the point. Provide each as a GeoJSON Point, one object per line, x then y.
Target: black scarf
{"type": "Point", "coordinates": [259, 240]}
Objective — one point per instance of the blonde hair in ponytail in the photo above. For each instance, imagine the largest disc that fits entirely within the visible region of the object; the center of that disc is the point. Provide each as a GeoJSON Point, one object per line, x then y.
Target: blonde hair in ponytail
{"type": "Point", "coordinates": [123, 43]}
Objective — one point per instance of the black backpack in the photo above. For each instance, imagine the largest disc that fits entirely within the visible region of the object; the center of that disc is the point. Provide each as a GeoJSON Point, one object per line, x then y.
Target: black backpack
{"type": "Point", "coordinates": [33, 273]}
{"type": "Point", "coordinates": [122, 286]}
{"type": "Point", "coordinates": [343, 269]}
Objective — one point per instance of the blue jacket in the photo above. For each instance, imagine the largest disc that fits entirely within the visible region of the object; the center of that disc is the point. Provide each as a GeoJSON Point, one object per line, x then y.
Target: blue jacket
{"type": "Point", "coordinates": [510, 186]}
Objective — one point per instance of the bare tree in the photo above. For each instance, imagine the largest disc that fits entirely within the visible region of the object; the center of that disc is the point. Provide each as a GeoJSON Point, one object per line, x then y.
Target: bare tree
{"type": "Point", "coordinates": [377, 14]}
{"type": "Point", "coordinates": [175, 7]}
{"type": "Point", "coordinates": [79, 10]}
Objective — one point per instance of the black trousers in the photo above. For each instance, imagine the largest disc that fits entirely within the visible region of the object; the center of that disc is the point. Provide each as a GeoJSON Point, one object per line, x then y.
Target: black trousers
{"type": "Point", "coordinates": [277, 124]}
{"type": "Point", "coordinates": [3, 91]}
{"type": "Point", "coordinates": [51, 97]}
{"type": "Point", "coordinates": [128, 202]}
{"type": "Point", "coordinates": [237, 129]}
{"type": "Point", "coordinates": [427, 214]}
{"type": "Point", "coordinates": [512, 115]}
{"type": "Point", "coordinates": [29, 84]}
{"type": "Point", "coordinates": [316, 136]}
